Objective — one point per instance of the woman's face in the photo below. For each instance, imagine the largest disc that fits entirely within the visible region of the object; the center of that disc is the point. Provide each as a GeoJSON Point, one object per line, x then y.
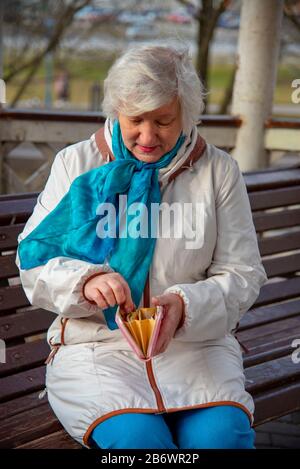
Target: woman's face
{"type": "Point", "coordinates": [152, 134]}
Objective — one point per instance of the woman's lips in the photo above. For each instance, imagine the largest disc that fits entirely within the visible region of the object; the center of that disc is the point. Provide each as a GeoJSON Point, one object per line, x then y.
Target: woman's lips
{"type": "Point", "coordinates": [147, 149]}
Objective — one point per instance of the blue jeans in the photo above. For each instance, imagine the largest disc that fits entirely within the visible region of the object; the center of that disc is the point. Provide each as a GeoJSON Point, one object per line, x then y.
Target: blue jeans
{"type": "Point", "coordinates": [219, 427]}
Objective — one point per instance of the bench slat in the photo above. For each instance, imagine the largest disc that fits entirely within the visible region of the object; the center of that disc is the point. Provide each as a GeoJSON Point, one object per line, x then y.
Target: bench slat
{"type": "Point", "coordinates": [263, 200]}
{"type": "Point", "coordinates": [272, 179]}
{"type": "Point", "coordinates": [264, 354]}
{"type": "Point", "coordinates": [271, 374]}
{"type": "Point", "coordinates": [11, 298]}
{"type": "Point", "coordinates": [277, 244]}
{"type": "Point", "coordinates": [265, 314]}
{"type": "Point", "coordinates": [274, 220]}
{"type": "Point", "coordinates": [21, 207]}
{"type": "Point", "coordinates": [20, 404]}
{"type": "Point", "coordinates": [57, 440]}
{"type": "Point", "coordinates": [22, 383]}
{"type": "Point", "coordinates": [20, 196]}
{"type": "Point", "coordinates": [26, 323]}
{"type": "Point", "coordinates": [9, 236]}
{"type": "Point", "coordinates": [8, 267]}
{"type": "Point", "coordinates": [277, 402]}
{"type": "Point", "coordinates": [25, 356]}
{"type": "Point", "coordinates": [282, 265]}
{"type": "Point", "coordinates": [268, 331]}
{"type": "Point", "coordinates": [28, 426]}
{"type": "Point", "coordinates": [278, 291]}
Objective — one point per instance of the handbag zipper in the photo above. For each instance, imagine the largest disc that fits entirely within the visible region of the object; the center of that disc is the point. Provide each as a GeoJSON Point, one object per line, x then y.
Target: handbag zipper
{"type": "Point", "coordinates": [149, 368]}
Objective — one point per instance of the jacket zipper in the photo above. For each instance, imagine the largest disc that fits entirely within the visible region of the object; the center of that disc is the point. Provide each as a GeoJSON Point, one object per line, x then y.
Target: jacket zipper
{"type": "Point", "coordinates": [158, 397]}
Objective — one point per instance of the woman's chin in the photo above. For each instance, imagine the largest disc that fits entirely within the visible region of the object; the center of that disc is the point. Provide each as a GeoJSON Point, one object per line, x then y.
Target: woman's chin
{"type": "Point", "coordinates": [148, 157]}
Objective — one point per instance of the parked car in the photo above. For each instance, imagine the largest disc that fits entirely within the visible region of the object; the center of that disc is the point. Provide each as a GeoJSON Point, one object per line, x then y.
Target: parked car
{"type": "Point", "coordinates": [141, 30]}
{"type": "Point", "coordinates": [93, 15]}
{"type": "Point", "coordinates": [179, 17]}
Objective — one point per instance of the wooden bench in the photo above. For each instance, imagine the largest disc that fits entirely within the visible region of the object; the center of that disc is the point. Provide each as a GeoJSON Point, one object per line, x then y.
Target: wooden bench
{"type": "Point", "coordinates": [267, 330]}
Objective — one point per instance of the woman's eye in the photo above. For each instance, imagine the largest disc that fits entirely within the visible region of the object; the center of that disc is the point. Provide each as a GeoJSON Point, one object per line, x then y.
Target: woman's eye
{"type": "Point", "coordinates": [163, 124]}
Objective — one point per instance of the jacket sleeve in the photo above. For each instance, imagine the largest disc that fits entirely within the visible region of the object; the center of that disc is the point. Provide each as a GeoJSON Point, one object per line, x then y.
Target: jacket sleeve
{"type": "Point", "coordinates": [214, 306]}
{"type": "Point", "coordinates": [57, 286]}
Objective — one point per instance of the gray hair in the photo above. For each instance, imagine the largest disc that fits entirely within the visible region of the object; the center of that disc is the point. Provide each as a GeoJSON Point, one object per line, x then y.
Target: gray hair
{"type": "Point", "coordinates": [148, 77]}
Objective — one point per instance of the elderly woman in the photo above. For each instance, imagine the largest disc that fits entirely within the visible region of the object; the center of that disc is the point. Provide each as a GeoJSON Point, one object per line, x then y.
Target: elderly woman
{"type": "Point", "coordinates": [191, 393]}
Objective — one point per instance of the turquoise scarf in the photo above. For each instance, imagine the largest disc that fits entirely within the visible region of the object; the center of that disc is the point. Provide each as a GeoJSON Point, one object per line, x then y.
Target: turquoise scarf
{"type": "Point", "coordinates": [70, 230]}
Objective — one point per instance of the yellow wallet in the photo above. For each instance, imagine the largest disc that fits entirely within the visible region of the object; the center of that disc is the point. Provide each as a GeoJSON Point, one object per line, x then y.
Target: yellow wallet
{"type": "Point", "coordinates": [141, 329]}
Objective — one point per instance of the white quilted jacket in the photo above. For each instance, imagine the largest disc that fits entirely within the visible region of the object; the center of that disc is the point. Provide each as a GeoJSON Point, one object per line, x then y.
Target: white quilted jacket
{"type": "Point", "coordinates": [94, 373]}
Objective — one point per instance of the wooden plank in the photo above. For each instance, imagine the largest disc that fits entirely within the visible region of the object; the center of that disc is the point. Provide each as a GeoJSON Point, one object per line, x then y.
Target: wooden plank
{"type": "Point", "coordinates": [278, 266]}
{"type": "Point", "coordinates": [21, 404]}
{"type": "Point", "coordinates": [276, 402]}
{"type": "Point", "coordinates": [57, 440]}
{"type": "Point", "coordinates": [281, 243]}
{"type": "Point", "coordinates": [11, 298]}
{"type": "Point", "coordinates": [8, 267]}
{"type": "Point", "coordinates": [265, 199]}
{"type": "Point", "coordinates": [257, 331]}
{"type": "Point", "coordinates": [22, 383]}
{"type": "Point", "coordinates": [268, 335]}
{"type": "Point", "coordinates": [28, 426]}
{"type": "Point", "coordinates": [10, 208]}
{"type": "Point", "coordinates": [9, 236]}
{"type": "Point", "coordinates": [13, 197]}
{"type": "Point", "coordinates": [278, 291]}
{"type": "Point", "coordinates": [26, 323]}
{"type": "Point", "coordinates": [265, 314]}
{"type": "Point", "coordinates": [272, 374]}
{"type": "Point", "coordinates": [282, 123]}
{"type": "Point", "coordinates": [6, 220]}
{"type": "Point", "coordinates": [264, 354]}
{"type": "Point", "coordinates": [264, 221]}
{"type": "Point", "coordinates": [25, 356]}
{"type": "Point", "coordinates": [264, 180]}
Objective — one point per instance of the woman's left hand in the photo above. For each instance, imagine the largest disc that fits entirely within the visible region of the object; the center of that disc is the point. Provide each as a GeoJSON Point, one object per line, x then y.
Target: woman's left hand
{"type": "Point", "coordinates": [173, 311]}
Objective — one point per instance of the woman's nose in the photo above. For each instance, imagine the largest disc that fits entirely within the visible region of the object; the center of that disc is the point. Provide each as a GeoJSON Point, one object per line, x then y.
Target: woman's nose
{"type": "Point", "coordinates": [147, 136]}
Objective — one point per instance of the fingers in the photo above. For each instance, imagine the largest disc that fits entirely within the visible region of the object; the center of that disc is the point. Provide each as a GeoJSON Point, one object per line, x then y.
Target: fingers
{"type": "Point", "coordinates": [160, 300]}
{"type": "Point", "coordinates": [99, 299]}
{"type": "Point", "coordinates": [173, 313]}
{"type": "Point", "coordinates": [108, 290]}
{"type": "Point", "coordinates": [128, 302]}
{"type": "Point", "coordinates": [114, 292]}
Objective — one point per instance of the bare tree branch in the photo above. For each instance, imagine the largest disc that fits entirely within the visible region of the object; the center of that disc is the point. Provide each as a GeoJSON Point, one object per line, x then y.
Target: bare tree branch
{"type": "Point", "coordinates": [66, 17]}
{"type": "Point", "coordinates": [63, 22]}
{"type": "Point", "coordinates": [294, 19]}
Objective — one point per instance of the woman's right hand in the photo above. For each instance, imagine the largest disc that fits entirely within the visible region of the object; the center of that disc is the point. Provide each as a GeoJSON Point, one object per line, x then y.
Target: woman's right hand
{"type": "Point", "coordinates": [109, 289]}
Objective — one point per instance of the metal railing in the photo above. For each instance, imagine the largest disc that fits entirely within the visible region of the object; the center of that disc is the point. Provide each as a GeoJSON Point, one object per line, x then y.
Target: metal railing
{"type": "Point", "coordinates": [49, 131]}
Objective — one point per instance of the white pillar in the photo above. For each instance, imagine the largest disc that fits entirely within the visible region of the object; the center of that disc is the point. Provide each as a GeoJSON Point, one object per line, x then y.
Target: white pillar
{"type": "Point", "coordinates": [258, 49]}
{"type": "Point", "coordinates": [1, 38]}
